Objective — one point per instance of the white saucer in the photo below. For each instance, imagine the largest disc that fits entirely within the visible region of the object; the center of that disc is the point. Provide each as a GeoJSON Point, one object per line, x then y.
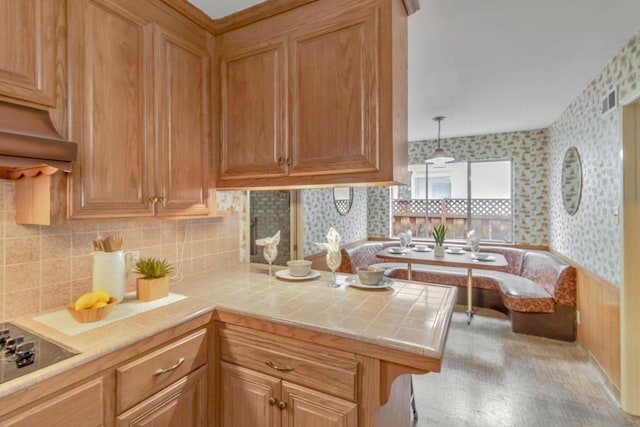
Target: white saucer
{"type": "Point", "coordinates": [422, 250]}
{"type": "Point", "coordinates": [354, 281]}
{"type": "Point", "coordinates": [286, 275]}
{"type": "Point", "coordinates": [449, 251]}
{"type": "Point", "coordinates": [397, 250]}
{"type": "Point", "coordinates": [483, 257]}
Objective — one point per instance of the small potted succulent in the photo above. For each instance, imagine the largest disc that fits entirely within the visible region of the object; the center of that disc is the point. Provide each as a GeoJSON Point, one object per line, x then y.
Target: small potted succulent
{"type": "Point", "coordinates": [439, 233]}
{"type": "Point", "coordinates": [155, 281]}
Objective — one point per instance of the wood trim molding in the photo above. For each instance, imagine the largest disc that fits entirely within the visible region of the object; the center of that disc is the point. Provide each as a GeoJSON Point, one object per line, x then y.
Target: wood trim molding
{"type": "Point", "coordinates": [253, 14]}
{"type": "Point", "coordinates": [191, 12]}
{"type": "Point", "coordinates": [412, 6]}
{"type": "Point", "coordinates": [630, 293]}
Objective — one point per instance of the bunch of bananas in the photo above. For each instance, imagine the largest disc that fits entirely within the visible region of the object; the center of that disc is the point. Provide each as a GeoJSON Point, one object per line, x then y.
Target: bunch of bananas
{"type": "Point", "coordinates": [95, 299]}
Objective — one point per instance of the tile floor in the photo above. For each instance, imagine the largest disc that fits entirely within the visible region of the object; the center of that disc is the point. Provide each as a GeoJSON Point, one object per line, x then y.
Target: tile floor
{"type": "Point", "coordinates": [494, 377]}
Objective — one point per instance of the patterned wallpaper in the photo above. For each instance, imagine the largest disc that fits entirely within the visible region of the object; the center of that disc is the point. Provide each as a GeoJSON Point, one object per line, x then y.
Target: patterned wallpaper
{"type": "Point", "coordinates": [320, 214]}
{"type": "Point", "coordinates": [529, 153]}
{"type": "Point", "coordinates": [599, 143]}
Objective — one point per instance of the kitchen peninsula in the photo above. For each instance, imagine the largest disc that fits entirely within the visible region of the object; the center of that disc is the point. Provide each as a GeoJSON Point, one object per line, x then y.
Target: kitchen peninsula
{"type": "Point", "coordinates": [339, 349]}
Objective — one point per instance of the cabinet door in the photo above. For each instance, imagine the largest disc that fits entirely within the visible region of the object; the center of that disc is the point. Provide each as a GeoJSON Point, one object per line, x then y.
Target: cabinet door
{"type": "Point", "coordinates": [27, 50]}
{"type": "Point", "coordinates": [80, 406]}
{"type": "Point", "coordinates": [182, 96]}
{"type": "Point", "coordinates": [333, 98]}
{"type": "Point", "coordinates": [183, 404]}
{"type": "Point", "coordinates": [252, 111]}
{"type": "Point", "coordinates": [110, 64]}
{"type": "Point", "coordinates": [245, 398]}
{"type": "Point", "coordinates": [309, 408]}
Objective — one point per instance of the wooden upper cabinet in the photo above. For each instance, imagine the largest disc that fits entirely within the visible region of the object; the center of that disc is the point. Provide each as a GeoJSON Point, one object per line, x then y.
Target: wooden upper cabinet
{"type": "Point", "coordinates": [182, 91]}
{"type": "Point", "coordinates": [140, 90]}
{"type": "Point", "coordinates": [333, 96]}
{"type": "Point", "coordinates": [111, 84]}
{"type": "Point", "coordinates": [253, 102]}
{"type": "Point", "coordinates": [28, 50]}
{"type": "Point", "coordinates": [343, 67]}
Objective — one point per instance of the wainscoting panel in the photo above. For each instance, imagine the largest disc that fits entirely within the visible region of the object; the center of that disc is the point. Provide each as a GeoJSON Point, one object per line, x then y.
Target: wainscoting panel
{"type": "Point", "coordinates": [599, 328]}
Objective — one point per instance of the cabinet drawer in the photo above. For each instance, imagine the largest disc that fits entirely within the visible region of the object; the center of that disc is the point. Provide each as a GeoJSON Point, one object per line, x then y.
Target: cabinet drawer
{"type": "Point", "coordinates": [148, 374]}
{"type": "Point", "coordinates": [328, 370]}
{"type": "Point", "coordinates": [83, 405]}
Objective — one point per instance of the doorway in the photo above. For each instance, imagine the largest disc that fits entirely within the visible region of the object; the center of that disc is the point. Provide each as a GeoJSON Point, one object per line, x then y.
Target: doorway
{"type": "Point", "coordinates": [630, 292]}
{"type": "Point", "coordinates": [270, 211]}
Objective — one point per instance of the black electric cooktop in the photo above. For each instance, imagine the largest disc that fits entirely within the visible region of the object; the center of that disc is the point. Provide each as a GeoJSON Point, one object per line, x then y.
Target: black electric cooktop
{"type": "Point", "coordinates": [23, 352]}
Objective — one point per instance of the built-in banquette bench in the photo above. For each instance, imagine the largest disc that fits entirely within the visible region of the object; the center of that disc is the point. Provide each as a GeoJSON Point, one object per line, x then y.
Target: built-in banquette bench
{"type": "Point", "coordinates": [536, 290]}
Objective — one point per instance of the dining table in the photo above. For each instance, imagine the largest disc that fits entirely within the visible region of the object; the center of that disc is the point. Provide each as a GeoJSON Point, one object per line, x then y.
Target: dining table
{"type": "Point", "coordinates": [462, 258]}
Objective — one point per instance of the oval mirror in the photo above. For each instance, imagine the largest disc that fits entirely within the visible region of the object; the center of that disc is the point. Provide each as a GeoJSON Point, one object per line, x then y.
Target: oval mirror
{"type": "Point", "coordinates": [571, 180]}
{"type": "Point", "coordinates": [343, 199]}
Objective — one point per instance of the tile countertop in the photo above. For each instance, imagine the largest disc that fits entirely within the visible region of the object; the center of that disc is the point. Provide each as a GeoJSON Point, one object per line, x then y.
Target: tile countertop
{"type": "Point", "coordinates": [411, 317]}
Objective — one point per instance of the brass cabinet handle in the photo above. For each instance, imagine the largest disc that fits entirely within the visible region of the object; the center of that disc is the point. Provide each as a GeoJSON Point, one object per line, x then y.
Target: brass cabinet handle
{"type": "Point", "coordinates": [285, 368]}
{"type": "Point", "coordinates": [289, 160]}
{"type": "Point", "coordinates": [163, 201]}
{"type": "Point", "coordinates": [169, 369]}
{"type": "Point", "coordinates": [281, 160]}
{"type": "Point", "coordinates": [272, 401]}
{"type": "Point", "coordinates": [153, 200]}
{"type": "Point", "coordinates": [282, 405]}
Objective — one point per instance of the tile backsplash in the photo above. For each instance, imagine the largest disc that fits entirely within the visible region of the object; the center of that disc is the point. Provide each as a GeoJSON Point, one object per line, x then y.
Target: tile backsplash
{"type": "Point", "coordinates": [45, 267]}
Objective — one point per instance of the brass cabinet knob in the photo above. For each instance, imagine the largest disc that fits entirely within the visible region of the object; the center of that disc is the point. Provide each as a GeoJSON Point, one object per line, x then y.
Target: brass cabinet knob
{"type": "Point", "coordinates": [163, 201]}
{"type": "Point", "coordinates": [282, 405]}
{"type": "Point", "coordinates": [289, 160]}
{"type": "Point", "coordinates": [281, 160]}
{"type": "Point", "coordinates": [153, 200]}
{"type": "Point", "coordinates": [272, 401]}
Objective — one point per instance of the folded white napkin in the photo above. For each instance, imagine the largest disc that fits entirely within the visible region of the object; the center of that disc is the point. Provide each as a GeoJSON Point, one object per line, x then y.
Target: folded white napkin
{"type": "Point", "coordinates": [333, 241]}
{"type": "Point", "coordinates": [270, 245]}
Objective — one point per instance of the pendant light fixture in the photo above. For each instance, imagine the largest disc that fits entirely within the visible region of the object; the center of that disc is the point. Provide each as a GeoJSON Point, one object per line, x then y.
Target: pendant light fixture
{"type": "Point", "coordinates": [439, 156]}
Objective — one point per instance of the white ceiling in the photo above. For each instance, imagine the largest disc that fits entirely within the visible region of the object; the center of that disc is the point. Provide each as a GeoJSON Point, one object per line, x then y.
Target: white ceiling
{"type": "Point", "coordinates": [499, 65]}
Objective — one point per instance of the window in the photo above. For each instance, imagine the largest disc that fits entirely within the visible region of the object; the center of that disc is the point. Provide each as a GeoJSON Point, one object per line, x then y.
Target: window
{"type": "Point", "coordinates": [464, 195]}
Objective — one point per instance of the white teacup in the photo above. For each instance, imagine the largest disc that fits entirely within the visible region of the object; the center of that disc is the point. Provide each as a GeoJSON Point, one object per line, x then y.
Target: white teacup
{"type": "Point", "coordinates": [421, 248]}
{"type": "Point", "coordinates": [395, 250]}
{"type": "Point", "coordinates": [299, 267]}
{"type": "Point", "coordinates": [455, 250]}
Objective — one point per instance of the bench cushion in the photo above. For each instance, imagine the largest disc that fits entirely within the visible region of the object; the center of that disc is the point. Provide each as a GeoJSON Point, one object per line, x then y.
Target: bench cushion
{"type": "Point", "coordinates": [359, 256]}
{"type": "Point", "coordinates": [444, 275]}
{"type": "Point", "coordinates": [557, 277]}
{"type": "Point", "coordinates": [521, 294]}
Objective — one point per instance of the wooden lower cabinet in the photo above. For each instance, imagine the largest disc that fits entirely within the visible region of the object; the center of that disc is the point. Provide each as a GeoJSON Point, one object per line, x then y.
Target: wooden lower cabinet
{"type": "Point", "coordinates": [181, 404]}
{"type": "Point", "coordinates": [250, 398]}
{"type": "Point", "coordinates": [306, 407]}
{"type": "Point", "coordinates": [82, 405]}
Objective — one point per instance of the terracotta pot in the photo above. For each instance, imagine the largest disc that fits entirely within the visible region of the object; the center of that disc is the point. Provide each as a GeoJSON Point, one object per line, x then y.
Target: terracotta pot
{"type": "Point", "coordinates": [152, 289]}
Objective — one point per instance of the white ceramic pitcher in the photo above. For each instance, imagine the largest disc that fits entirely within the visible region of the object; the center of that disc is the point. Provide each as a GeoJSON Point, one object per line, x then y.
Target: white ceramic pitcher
{"type": "Point", "coordinates": [110, 272]}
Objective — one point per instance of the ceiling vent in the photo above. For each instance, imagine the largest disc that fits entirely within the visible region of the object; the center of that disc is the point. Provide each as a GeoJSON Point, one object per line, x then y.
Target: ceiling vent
{"type": "Point", "coordinates": [609, 102]}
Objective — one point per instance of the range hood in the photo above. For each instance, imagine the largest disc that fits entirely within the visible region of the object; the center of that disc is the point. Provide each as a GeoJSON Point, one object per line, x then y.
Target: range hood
{"type": "Point", "coordinates": [28, 139]}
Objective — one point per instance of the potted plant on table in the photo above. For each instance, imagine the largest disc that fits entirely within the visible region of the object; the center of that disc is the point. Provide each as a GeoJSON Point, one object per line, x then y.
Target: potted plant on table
{"type": "Point", "coordinates": [155, 281]}
{"type": "Point", "coordinates": [439, 233]}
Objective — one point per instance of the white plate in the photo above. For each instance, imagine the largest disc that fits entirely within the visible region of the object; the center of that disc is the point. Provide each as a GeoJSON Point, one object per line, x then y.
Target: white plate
{"type": "Point", "coordinates": [483, 257]}
{"type": "Point", "coordinates": [423, 250]}
{"type": "Point", "coordinates": [449, 251]}
{"type": "Point", "coordinates": [397, 250]}
{"type": "Point", "coordinates": [354, 281]}
{"type": "Point", "coordinates": [286, 275]}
